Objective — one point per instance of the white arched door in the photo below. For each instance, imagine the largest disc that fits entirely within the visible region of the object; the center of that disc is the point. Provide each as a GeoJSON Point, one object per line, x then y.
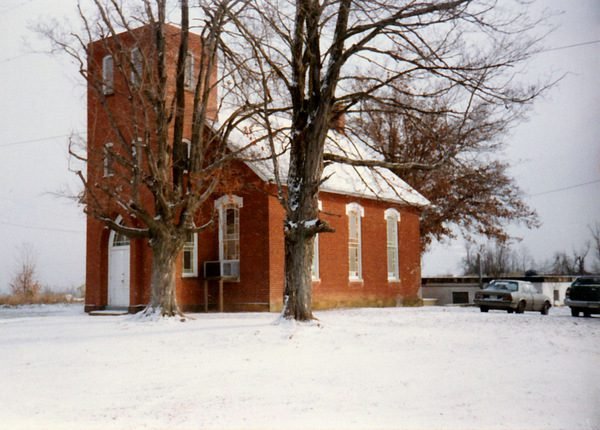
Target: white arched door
{"type": "Point", "coordinates": [118, 270]}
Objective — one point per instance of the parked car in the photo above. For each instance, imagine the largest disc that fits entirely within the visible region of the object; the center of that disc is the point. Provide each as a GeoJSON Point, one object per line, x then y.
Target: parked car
{"type": "Point", "coordinates": [584, 296]}
{"type": "Point", "coordinates": [512, 296]}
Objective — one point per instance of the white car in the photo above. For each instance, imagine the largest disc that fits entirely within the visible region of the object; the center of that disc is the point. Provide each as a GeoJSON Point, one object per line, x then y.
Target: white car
{"type": "Point", "coordinates": [512, 296]}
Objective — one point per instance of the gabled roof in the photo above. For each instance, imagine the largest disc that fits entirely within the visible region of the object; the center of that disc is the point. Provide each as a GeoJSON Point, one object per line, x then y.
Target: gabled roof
{"type": "Point", "coordinates": [372, 183]}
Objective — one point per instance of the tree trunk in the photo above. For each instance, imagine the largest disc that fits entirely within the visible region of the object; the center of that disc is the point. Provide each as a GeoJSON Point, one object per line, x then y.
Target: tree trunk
{"type": "Point", "coordinates": [302, 219]}
{"type": "Point", "coordinates": [298, 279]}
{"type": "Point", "coordinates": [164, 255]}
{"type": "Point", "coordinates": [300, 229]}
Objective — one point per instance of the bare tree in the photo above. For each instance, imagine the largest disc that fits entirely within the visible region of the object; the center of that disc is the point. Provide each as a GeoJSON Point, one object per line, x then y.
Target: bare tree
{"type": "Point", "coordinates": [565, 264]}
{"type": "Point", "coordinates": [595, 231]}
{"type": "Point", "coordinates": [496, 259]}
{"type": "Point", "coordinates": [24, 283]}
{"type": "Point", "coordinates": [168, 151]}
{"type": "Point", "coordinates": [291, 68]}
{"type": "Point", "coordinates": [449, 157]}
{"type": "Point", "coordinates": [316, 60]}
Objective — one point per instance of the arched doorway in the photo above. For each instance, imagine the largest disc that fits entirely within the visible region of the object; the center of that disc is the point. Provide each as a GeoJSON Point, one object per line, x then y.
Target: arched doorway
{"type": "Point", "coordinates": [118, 270]}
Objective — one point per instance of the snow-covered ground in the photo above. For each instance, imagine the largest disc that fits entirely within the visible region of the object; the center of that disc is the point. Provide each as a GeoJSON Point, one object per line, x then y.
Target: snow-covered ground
{"type": "Point", "coordinates": [395, 368]}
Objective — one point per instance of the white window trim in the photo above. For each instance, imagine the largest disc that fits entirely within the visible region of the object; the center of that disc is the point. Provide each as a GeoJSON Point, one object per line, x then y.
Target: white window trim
{"type": "Point", "coordinates": [355, 208]}
{"type": "Point", "coordinates": [136, 54]}
{"type": "Point", "coordinates": [221, 204]}
{"type": "Point", "coordinates": [108, 169]}
{"type": "Point", "coordinates": [188, 152]}
{"type": "Point", "coordinates": [194, 272]}
{"type": "Point", "coordinates": [188, 71]}
{"type": "Point", "coordinates": [394, 215]}
{"type": "Point", "coordinates": [316, 274]}
{"type": "Point", "coordinates": [136, 151]}
{"type": "Point", "coordinates": [114, 235]}
{"type": "Point", "coordinates": [108, 80]}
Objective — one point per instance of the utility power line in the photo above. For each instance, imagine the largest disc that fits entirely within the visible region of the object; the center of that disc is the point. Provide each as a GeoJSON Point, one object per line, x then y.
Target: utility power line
{"type": "Point", "coordinates": [569, 187]}
{"type": "Point", "coordinates": [31, 227]}
{"type": "Point", "coordinates": [16, 57]}
{"type": "Point", "coordinates": [41, 139]}
{"type": "Point", "coordinates": [11, 8]}
{"type": "Point", "coordinates": [574, 45]}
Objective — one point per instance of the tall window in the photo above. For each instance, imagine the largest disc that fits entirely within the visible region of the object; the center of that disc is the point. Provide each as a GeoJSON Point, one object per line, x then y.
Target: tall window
{"type": "Point", "coordinates": [108, 160]}
{"type": "Point", "coordinates": [231, 233]}
{"type": "Point", "coordinates": [190, 255]}
{"type": "Point", "coordinates": [229, 227]}
{"type": "Point", "coordinates": [187, 152]}
{"type": "Point", "coordinates": [392, 218]}
{"type": "Point", "coordinates": [355, 212]}
{"type": "Point", "coordinates": [136, 63]}
{"type": "Point", "coordinates": [108, 74]}
{"type": "Point", "coordinates": [119, 239]}
{"type": "Point", "coordinates": [137, 152]}
{"type": "Point", "coordinates": [188, 77]}
{"type": "Point", "coordinates": [315, 261]}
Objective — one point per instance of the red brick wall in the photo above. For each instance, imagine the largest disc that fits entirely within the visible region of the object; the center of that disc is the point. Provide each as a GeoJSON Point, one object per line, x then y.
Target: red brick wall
{"type": "Point", "coordinates": [261, 243]}
{"type": "Point", "coordinates": [100, 132]}
{"type": "Point", "coordinates": [96, 271]}
{"type": "Point", "coordinates": [334, 287]}
{"type": "Point", "coordinates": [409, 245]}
{"type": "Point", "coordinates": [262, 263]}
{"type": "Point", "coordinates": [276, 252]}
{"type": "Point", "coordinates": [252, 291]}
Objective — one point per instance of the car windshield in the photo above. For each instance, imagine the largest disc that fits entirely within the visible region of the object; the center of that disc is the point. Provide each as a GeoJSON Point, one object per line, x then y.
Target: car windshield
{"type": "Point", "coordinates": [503, 285]}
{"type": "Point", "coordinates": [586, 281]}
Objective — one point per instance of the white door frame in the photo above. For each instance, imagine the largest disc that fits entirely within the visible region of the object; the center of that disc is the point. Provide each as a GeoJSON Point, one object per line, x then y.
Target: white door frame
{"type": "Point", "coordinates": [118, 271]}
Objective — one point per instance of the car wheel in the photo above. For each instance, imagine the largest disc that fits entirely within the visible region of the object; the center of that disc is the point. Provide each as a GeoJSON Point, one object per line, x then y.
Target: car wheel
{"type": "Point", "coordinates": [587, 314]}
{"type": "Point", "coordinates": [521, 307]}
{"type": "Point", "coordinates": [510, 311]}
{"type": "Point", "coordinates": [545, 308]}
{"type": "Point", "coordinates": [483, 309]}
{"type": "Point", "coordinates": [574, 312]}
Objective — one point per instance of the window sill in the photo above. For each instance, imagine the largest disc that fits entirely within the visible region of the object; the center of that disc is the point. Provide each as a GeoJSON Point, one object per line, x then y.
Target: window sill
{"type": "Point", "coordinates": [189, 275]}
{"type": "Point", "coordinates": [356, 281]}
{"type": "Point", "coordinates": [394, 280]}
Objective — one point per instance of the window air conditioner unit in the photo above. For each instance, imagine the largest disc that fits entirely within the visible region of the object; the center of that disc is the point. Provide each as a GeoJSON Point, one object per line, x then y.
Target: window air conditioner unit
{"type": "Point", "coordinates": [225, 269]}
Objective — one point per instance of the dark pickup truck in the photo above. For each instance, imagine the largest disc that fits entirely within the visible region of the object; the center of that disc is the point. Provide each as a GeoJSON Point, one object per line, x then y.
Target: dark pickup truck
{"type": "Point", "coordinates": [584, 296]}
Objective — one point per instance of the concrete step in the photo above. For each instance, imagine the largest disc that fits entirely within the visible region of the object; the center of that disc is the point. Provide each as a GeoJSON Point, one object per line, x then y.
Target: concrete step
{"type": "Point", "coordinates": [108, 313]}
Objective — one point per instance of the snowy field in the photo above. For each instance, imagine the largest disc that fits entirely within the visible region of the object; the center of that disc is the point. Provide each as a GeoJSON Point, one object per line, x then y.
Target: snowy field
{"type": "Point", "coordinates": [395, 368]}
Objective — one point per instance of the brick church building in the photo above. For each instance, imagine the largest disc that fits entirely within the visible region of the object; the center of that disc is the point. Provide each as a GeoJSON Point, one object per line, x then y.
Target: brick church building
{"type": "Point", "coordinates": [372, 258]}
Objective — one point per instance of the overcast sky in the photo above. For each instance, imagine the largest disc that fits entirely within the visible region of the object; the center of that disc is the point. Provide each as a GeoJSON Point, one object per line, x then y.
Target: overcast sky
{"type": "Point", "coordinates": [555, 155]}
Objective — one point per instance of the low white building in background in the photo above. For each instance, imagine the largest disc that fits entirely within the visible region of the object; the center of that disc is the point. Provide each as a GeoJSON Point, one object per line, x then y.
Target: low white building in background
{"type": "Point", "coordinates": [460, 290]}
